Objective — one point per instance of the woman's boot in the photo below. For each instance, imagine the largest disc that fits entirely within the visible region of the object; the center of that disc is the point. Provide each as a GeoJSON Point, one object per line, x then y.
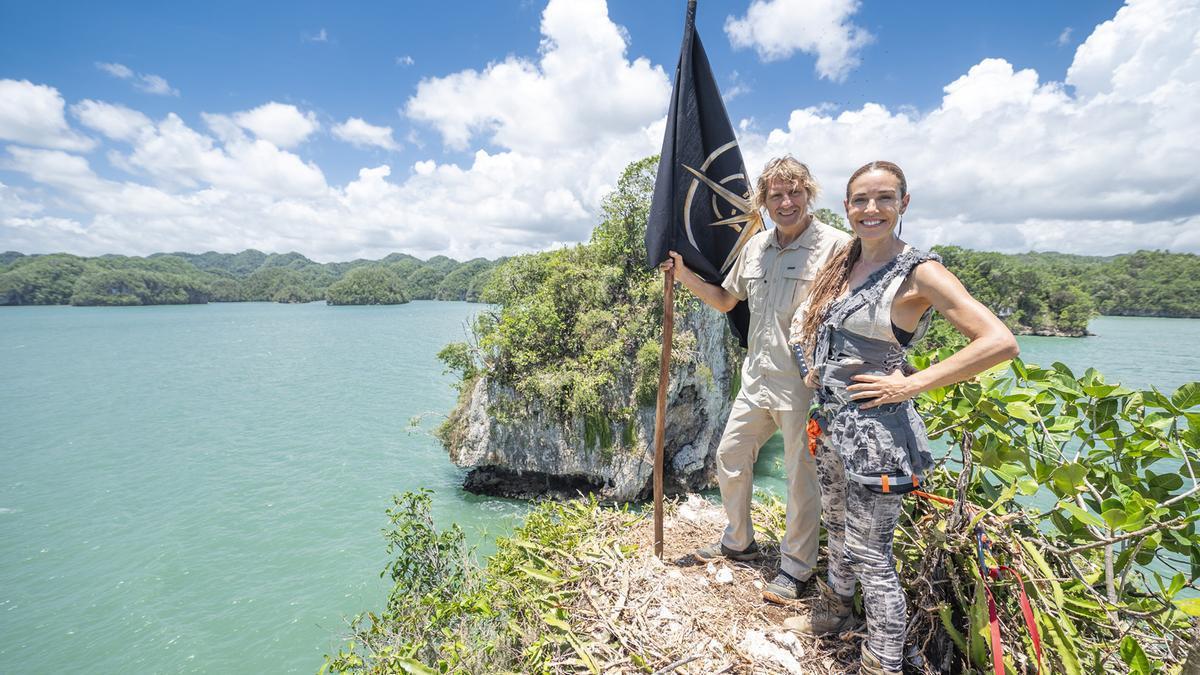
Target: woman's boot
{"type": "Point", "coordinates": [832, 613]}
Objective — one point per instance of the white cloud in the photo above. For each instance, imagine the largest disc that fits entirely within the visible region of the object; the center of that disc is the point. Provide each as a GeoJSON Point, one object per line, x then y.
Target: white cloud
{"type": "Point", "coordinates": [735, 88]}
{"type": "Point", "coordinates": [280, 123]}
{"type": "Point", "coordinates": [405, 60]}
{"type": "Point", "coordinates": [114, 121]}
{"type": "Point", "coordinates": [562, 127]}
{"type": "Point", "coordinates": [583, 88]}
{"type": "Point", "coordinates": [776, 29]}
{"type": "Point", "coordinates": [116, 70]}
{"type": "Point", "coordinates": [320, 36]}
{"type": "Point", "coordinates": [1064, 38]}
{"type": "Point", "coordinates": [358, 132]}
{"type": "Point", "coordinates": [1008, 162]}
{"type": "Point", "coordinates": [33, 114]}
{"type": "Point", "coordinates": [151, 84]}
{"type": "Point", "coordinates": [177, 156]}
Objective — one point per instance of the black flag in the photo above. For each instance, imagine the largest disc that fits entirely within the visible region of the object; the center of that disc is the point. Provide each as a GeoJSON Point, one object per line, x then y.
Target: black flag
{"type": "Point", "coordinates": [701, 207]}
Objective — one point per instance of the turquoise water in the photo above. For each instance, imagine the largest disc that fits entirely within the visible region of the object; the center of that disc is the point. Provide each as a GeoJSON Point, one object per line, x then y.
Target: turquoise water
{"type": "Point", "coordinates": [1137, 352]}
{"type": "Point", "coordinates": [201, 488]}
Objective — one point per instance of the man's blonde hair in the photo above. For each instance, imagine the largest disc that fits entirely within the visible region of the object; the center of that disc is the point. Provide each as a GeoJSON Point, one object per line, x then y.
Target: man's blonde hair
{"type": "Point", "coordinates": [786, 169]}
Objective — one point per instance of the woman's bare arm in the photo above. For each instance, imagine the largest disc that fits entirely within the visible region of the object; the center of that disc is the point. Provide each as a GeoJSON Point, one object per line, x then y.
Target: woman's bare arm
{"type": "Point", "coordinates": [991, 342]}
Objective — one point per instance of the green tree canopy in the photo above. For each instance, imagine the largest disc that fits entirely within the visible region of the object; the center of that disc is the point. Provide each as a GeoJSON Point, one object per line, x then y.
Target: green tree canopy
{"type": "Point", "coordinates": [374, 285]}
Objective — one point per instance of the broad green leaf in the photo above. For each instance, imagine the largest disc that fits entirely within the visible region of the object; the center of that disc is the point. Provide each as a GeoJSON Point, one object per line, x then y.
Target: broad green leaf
{"type": "Point", "coordinates": [1187, 396]}
{"type": "Point", "coordinates": [1018, 367]}
{"type": "Point", "coordinates": [1134, 657]}
{"type": "Point", "coordinates": [1135, 404]}
{"type": "Point", "coordinates": [1067, 389]}
{"type": "Point", "coordinates": [1083, 516]}
{"type": "Point", "coordinates": [1164, 481]}
{"type": "Point", "coordinates": [1156, 399]}
{"type": "Point", "coordinates": [1177, 583]}
{"type": "Point", "coordinates": [1191, 435]}
{"type": "Point", "coordinates": [1189, 606]}
{"type": "Point", "coordinates": [1021, 411]}
{"type": "Point", "coordinates": [1064, 423]}
{"type": "Point", "coordinates": [1028, 486]}
{"type": "Point", "coordinates": [1161, 420]}
{"type": "Point", "coordinates": [1019, 394]}
{"type": "Point", "coordinates": [1068, 478]}
{"type": "Point", "coordinates": [414, 666]}
{"type": "Point", "coordinates": [1114, 518]}
{"type": "Point", "coordinates": [1062, 368]}
{"type": "Point", "coordinates": [1100, 390]}
{"type": "Point", "coordinates": [989, 408]}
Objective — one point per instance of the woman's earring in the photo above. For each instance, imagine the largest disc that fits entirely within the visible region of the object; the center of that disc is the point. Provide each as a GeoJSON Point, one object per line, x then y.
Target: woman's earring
{"type": "Point", "coordinates": [900, 227]}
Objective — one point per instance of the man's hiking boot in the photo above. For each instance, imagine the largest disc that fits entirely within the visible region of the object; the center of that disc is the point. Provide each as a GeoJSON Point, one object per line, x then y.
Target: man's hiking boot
{"type": "Point", "coordinates": [783, 589]}
{"type": "Point", "coordinates": [718, 550]}
{"type": "Point", "coordinates": [831, 613]}
{"type": "Point", "coordinates": [870, 665]}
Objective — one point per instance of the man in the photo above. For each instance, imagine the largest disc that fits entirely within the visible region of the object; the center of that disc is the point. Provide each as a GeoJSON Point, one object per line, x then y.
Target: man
{"type": "Point", "coordinates": [774, 273]}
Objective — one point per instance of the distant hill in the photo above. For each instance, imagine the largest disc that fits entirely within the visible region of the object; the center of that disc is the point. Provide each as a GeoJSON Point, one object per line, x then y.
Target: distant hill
{"type": "Point", "coordinates": [188, 278]}
{"type": "Point", "coordinates": [1047, 293]}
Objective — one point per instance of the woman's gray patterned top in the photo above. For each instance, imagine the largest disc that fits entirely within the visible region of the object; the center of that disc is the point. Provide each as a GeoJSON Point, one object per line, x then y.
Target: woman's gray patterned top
{"type": "Point", "coordinates": [884, 448]}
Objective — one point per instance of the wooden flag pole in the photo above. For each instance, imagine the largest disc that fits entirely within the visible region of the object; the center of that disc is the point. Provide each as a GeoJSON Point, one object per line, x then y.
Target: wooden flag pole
{"type": "Point", "coordinates": [660, 415]}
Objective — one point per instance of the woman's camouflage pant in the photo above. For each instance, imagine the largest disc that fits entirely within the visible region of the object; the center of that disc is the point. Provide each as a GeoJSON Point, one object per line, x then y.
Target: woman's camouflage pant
{"type": "Point", "coordinates": [860, 525]}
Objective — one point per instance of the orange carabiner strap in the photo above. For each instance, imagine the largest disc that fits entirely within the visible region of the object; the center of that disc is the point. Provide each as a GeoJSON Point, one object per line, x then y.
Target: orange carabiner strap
{"type": "Point", "coordinates": [814, 433]}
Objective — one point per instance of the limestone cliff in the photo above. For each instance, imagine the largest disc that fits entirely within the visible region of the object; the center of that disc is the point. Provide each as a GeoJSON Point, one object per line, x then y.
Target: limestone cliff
{"type": "Point", "coordinates": [516, 446]}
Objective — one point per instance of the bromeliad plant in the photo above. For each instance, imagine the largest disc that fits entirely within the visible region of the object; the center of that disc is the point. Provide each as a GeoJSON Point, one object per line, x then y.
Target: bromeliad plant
{"type": "Point", "coordinates": [1088, 490]}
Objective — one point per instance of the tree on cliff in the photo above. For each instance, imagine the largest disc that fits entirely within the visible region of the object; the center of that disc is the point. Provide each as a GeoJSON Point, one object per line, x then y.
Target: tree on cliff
{"type": "Point", "coordinates": [571, 320]}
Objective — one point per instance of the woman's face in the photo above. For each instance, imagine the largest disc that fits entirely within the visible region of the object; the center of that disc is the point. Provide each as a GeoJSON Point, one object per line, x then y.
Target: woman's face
{"type": "Point", "coordinates": [875, 204]}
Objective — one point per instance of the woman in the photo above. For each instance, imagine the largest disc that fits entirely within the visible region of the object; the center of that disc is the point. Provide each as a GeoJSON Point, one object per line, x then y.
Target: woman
{"type": "Point", "coordinates": [869, 303]}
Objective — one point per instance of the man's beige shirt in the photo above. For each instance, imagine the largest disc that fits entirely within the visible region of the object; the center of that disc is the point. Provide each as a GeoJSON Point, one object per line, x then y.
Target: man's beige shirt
{"type": "Point", "coordinates": [775, 281]}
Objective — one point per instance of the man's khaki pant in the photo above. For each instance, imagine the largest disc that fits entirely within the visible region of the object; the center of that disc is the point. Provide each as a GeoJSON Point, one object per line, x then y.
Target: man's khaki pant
{"type": "Point", "coordinates": [748, 428]}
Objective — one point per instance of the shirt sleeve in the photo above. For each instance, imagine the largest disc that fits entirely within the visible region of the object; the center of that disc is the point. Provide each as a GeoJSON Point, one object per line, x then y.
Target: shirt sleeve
{"type": "Point", "coordinates": [735, 281]}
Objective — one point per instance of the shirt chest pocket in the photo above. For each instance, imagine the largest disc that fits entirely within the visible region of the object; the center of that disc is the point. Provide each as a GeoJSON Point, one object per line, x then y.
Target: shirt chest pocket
{"type": "Point", "coordinates": [795, 284]}
{"type": "Point", "coordinates": [757, 289]}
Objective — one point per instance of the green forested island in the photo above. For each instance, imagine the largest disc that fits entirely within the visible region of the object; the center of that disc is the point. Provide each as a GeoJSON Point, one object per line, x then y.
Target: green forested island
{"type": "Point", "coordinates": [190, 278]}
{"type": "Point", "coordinates": [1042, 293]}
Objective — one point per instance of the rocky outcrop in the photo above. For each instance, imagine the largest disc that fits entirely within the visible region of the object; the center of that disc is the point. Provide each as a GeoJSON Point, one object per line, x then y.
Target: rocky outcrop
{"type": "Point", "coordinates": [517, 447]}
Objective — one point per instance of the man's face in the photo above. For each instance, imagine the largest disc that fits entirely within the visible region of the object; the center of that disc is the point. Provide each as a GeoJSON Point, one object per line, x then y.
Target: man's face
{"type": "Point", "coordinates": [787, 203]}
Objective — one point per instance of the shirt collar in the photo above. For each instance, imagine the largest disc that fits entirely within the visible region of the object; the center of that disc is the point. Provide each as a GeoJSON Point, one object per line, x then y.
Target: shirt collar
{"type": "Point", "coordinates": [808, 239]}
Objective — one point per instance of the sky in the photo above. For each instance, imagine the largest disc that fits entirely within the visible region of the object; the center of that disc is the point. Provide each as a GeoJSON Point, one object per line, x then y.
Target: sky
{"type": "Point", "coordinates": [481, 129]}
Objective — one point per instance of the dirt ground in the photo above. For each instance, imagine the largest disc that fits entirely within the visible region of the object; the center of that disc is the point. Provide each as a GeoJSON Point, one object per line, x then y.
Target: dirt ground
{"type": "Point", "coordinates": [682, 616]}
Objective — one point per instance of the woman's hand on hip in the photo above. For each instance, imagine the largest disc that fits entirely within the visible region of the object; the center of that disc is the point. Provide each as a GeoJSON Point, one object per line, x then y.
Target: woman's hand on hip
{"type": "Point", "coordinates": [877, 390]}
